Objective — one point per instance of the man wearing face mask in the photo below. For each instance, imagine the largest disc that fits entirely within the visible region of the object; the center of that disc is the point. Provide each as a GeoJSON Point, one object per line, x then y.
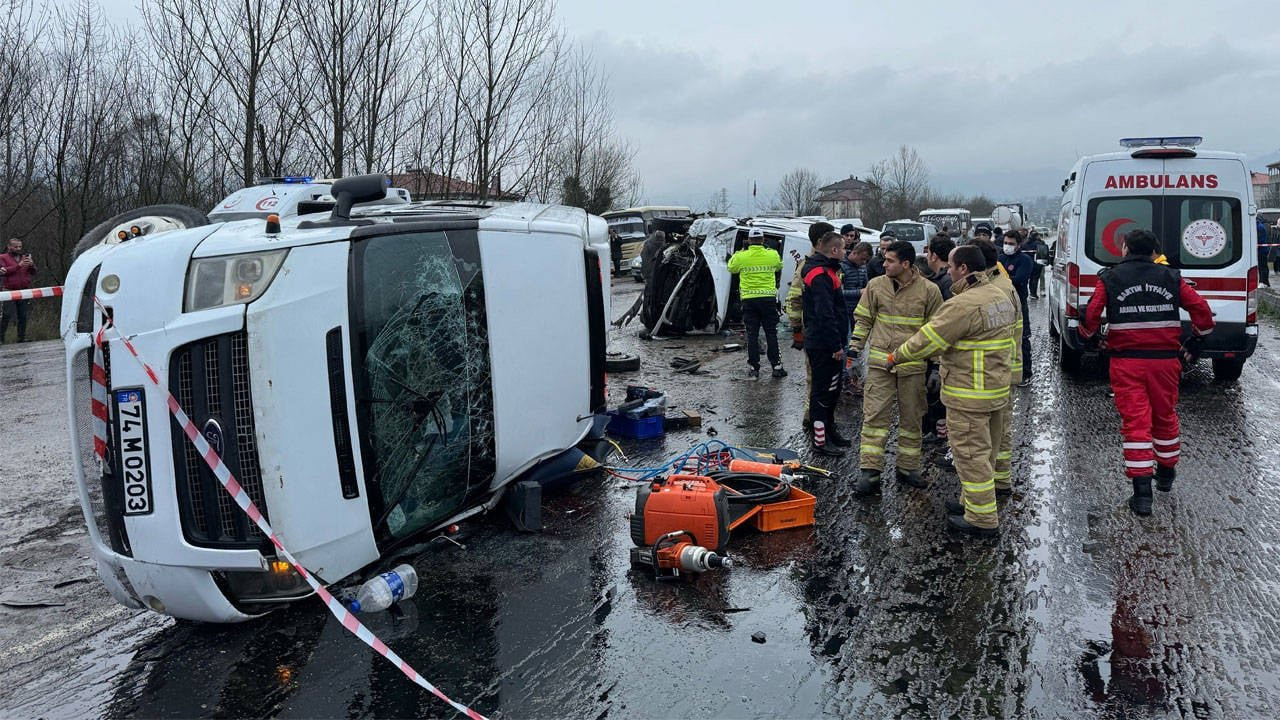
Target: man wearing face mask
{"type": "Point", "coordinates": [1019, 267]}
{"type": "Point", "coordinates": [971, 334]}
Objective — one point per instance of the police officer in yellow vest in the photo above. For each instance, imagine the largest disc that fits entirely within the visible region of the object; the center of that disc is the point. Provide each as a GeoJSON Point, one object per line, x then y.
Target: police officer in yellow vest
{"type": "Point", "coordinates": [972, 333]}
{"type": "Point", "coordinates": [757, 268]}
{"type": "Point", "coordinates": [893, 307]}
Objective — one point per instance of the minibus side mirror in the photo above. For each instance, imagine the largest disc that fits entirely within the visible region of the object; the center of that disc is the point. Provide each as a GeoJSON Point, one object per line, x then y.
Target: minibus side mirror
{"type": "Point", "coordinates": [357, 189]}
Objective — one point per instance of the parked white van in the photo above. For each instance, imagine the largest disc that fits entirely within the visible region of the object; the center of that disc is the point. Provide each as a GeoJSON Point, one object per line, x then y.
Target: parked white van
{"type": "Point", "coordinates": [1198, 202]}
{"type": "Point", "coordinates": [367, 376]}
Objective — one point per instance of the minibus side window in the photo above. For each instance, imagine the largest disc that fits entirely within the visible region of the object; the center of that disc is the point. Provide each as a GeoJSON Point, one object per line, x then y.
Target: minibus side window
{"type": "Point", "coordinates": [1110, 218]}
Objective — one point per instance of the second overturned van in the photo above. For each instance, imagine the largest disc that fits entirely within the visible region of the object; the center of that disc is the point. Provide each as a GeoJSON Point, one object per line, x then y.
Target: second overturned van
{"type": "Point", "coordinates": [1199, 203]}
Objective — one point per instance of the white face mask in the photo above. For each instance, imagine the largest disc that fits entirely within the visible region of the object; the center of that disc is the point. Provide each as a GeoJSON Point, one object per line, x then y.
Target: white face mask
{"type": "Point", "coordinates": [1010, 249]}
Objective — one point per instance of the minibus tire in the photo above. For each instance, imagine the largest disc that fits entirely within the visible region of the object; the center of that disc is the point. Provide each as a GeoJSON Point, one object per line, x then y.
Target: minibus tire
{"type": "Point", "coordinates": [621, 362]}
{"type": "Point", "coordinates": [1068, 357]}
{"type": "Point", "coordinates": [185, 215]}
{"type": "Point", "coordinates": [1227, 369]}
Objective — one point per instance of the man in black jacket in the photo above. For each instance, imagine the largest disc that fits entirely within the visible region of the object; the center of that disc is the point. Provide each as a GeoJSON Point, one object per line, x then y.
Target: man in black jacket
{"type": "Point", "coordinates": [875, 268]}
{"type": "Point", "coordinates": [826, 334]}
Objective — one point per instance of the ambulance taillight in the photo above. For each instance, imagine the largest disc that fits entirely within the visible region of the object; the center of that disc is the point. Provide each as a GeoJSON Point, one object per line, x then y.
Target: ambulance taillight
{"type": "Point", "coordinates": [1251, 305]}
{"type": "Point", "coordinates": [1073, 289]}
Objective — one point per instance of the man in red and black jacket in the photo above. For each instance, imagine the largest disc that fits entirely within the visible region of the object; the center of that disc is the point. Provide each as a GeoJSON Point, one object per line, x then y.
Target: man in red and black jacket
{"type": "Point", "coordinates": [826, 334]}
{"type": "Point", "coordinates": [1141, 300]}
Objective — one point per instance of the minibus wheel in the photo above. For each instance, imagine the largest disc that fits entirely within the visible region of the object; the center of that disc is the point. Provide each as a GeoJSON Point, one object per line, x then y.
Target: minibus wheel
{"type": "Point", "coordinates": [1227, 369]}
{"type": "Point", "coordinates": [157, 218]}
{"type": "Point", "coordinates": [621, 362]}
{"type": "Point", "coordinates": [1068, 357]}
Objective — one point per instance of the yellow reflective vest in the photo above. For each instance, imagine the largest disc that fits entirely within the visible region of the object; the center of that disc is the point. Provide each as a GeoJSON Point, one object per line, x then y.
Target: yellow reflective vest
{"type": "Point", "coordinates": [971, 333]}
{"type": "Point", "coordinates": [757, 269]}
{"type": "Point", "coordinates": [889, 313]}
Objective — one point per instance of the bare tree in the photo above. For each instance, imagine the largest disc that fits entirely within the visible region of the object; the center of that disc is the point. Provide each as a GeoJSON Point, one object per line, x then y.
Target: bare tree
{"type": "Point", "coordinates": [511, 72]}
{"type": "Point", "coordinates": [22, 88]}
{"type": "Point", "coordinates": [798, 192]}
{"type": "Point", "coordinates": [719, 203]}
{"type": "Point", "coordinates": [903, 182]}
{"type": "Point", "coordinates": [239, 41]}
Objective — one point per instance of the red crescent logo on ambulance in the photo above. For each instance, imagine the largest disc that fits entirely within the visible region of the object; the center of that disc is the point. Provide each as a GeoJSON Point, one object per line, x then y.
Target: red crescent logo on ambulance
{"type": "Point", "coordinates": [1109, 235]}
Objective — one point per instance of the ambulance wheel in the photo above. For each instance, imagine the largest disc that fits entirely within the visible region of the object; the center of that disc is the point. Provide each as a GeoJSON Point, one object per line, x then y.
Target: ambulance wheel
{"type": "Point", "coordinates": [157, 218]}
{"type": "Point", "coordinates": [1068, 357]}
{"type": "Point", "coordinates": [1227, 369]}
{"type": "Point", "coordinates": [616, 362]}
{"type": "Point", "coordinates": [1053, 331]}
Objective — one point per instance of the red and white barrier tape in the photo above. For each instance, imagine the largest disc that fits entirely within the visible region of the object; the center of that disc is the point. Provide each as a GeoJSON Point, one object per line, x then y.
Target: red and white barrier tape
{"type": "Point", "coordinates": [33, 293]}
{"type": "Point", "coordinates": [99, 394]}
{"type": "Point", "coordinates": [223, 473]}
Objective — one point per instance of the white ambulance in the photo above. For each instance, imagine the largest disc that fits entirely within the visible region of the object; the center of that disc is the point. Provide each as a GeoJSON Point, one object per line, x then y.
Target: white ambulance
{"type": "Point", "coordinates": [1198, 202]}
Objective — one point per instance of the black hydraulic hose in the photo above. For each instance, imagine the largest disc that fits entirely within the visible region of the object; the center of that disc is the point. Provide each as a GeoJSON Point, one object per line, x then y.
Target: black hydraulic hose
{"type": "Point", "coordinates": [752, 488]}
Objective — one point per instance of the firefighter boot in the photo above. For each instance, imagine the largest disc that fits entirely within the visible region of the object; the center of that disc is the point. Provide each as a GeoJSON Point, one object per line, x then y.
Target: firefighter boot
{"type": "Point", "coordinates": [1164, 478]}
{"type": "Point", "coordinates": [821, 442]}
{"type": "Point", "coordinates": [958, 522]}
{"type": "Point", "coordinates": [912, 478]}
{"type": "Point", "coordinates": [868, 483]}
{"type": "Point", "coordinates": [1140, 503]}
{"type": "Point", "coordinates": [835, 438]}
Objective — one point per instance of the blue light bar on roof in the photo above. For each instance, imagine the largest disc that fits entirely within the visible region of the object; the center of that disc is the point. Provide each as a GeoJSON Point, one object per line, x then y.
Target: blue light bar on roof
{"type": "Point", "coordinates": [1172, 140]}
{"type": "Point", "coordinates": [297, 178]}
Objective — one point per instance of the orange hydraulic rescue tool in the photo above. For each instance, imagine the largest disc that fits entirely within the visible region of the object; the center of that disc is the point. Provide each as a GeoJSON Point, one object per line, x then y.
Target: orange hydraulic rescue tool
{"type": "Point", "coordinates": [676, 521]}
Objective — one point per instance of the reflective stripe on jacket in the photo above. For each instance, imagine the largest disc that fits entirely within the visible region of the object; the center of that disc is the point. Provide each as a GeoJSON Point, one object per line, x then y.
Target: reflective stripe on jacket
{"type": "Point", "coordinates": [794, 304]}
{"type": "Point", "coordinates": [972, 333]}
{"type": "Point", "coordinates": [1002, 281]}
{"type": "Point", "coordinates": [826, 318]}
{"type": "Point", "coordinates": [1141, 300]}
{"type": "Point", "coordinates": [757, 269]}
{"type": "Point", "coordinates": [890, 313]}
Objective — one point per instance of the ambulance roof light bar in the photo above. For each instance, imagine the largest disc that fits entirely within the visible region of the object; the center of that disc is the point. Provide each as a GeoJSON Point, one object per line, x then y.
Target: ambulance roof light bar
{"type": "Point", "coordinates": [285, 179]}
{"type": "Point", "coordinates": [1187, 141]}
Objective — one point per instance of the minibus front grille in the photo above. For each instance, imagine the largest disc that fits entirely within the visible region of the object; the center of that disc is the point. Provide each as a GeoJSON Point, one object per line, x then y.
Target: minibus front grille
{"type": "Point", "coordinates": [210, 379]}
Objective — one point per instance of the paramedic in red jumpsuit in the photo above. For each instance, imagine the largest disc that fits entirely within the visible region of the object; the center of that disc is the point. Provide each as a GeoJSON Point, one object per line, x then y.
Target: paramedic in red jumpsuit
{"type": "Point", "coordinates": [1141, 300]}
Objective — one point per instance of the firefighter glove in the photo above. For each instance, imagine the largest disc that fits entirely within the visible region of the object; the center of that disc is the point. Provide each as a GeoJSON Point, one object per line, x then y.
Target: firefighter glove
{"type": "Point", "coordinates": [933, 381]}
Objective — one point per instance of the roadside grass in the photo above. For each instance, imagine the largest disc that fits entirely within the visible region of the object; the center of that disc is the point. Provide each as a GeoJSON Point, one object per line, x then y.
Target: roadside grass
{"type": "Point", "coordinates": [42, 320]}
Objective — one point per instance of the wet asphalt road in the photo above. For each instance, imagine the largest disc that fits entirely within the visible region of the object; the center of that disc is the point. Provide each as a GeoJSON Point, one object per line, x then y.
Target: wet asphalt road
{"type": "Point", "coordinates": [1078, 610]}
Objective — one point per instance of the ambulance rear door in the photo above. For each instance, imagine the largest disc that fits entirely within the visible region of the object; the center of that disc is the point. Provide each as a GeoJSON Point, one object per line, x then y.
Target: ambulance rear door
{"type": "Point", "coordinates": [1197, 207]}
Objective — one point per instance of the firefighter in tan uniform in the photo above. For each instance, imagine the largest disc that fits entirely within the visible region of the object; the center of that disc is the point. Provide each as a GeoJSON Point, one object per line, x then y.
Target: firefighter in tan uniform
{"type": "Point", "coordinates": [794, 307]}
{"type": "Point", "coordinates": [971, 333]}
{"type": "Point", "coordinates": [893, 307]}
{"type": "Point", "coordinates": [1000, 278]}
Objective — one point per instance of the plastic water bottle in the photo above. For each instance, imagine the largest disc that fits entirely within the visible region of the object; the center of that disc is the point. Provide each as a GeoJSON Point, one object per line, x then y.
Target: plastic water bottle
{"type": "Point", "coordinates": [381, 592]}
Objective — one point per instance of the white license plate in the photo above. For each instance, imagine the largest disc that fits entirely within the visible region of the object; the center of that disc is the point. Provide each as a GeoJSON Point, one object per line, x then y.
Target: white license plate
{"type": "Point", "coordinates": [134, 464]}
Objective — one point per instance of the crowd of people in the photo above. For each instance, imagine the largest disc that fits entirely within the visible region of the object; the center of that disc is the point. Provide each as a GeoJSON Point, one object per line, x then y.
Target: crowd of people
{"type": "Point", "coordinates": [935, 345]}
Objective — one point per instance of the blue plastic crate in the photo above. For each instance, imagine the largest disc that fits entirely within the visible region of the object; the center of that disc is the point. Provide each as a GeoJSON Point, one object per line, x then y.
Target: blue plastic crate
{"type": "Point", "coordinates": [635, 428]}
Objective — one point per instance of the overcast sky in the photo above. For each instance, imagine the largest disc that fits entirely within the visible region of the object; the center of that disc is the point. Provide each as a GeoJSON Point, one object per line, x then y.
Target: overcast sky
{"type": "Point", "coordinates": [997, 96]}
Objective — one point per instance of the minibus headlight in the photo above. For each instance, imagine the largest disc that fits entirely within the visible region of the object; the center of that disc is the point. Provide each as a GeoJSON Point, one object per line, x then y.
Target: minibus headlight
{"type": "Point", "coordinates": [229, 279]}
